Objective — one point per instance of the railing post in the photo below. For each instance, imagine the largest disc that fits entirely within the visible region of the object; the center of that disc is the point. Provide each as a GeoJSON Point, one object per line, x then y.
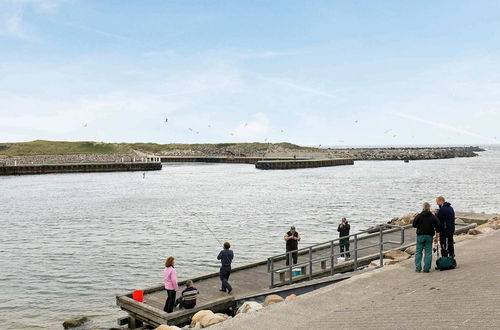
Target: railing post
{"type": "Point", "coordinates": [355, 252]}
{"type": "Point", "coordinates": [290, 265]}
{"type": "Point", "coordinates": [310, 264]}
{"type": "Point", "coordinates": [332, 261]}
{"type": "Point", "coordinates": [381, 243]}
{"type": "Point", "coordinates": [272, 272]}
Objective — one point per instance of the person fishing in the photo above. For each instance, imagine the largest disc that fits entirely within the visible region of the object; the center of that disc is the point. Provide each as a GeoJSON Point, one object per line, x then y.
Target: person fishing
{"type": "Point", "coordinates": [292, 239]}
{"type": "Point", "coordinates": [344, 229]}
{"type": "Point", "coordinates": [226, 258]}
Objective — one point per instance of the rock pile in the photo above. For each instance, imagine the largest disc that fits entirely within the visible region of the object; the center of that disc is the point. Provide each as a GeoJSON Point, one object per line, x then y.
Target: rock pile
{"type": "Point", "coordinates": [207, 318]}
{"type": "Point", "coordinates": [404, 220]}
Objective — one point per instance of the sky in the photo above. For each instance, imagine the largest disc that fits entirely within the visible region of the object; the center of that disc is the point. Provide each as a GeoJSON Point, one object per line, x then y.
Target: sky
{"type": "Point", "coordinates": [307, 72]}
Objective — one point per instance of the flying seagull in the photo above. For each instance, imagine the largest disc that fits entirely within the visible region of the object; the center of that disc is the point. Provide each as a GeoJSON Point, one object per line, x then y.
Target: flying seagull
{"type": "Point", "coordinates": [388, 131]}
{"type": "Point", "coordinates": [246, 124]}
{"type": "Point", "coordinates": [85, 125]}
{"type": "Point", "coordinates": [166, 120]}
{"type": "Point", "coordinates": [356, 121]}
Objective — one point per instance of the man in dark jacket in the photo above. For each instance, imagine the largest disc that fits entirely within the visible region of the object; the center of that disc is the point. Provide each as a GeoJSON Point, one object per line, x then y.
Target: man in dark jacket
{"type": "Point", "coordinates": [226, 257]}
{"type": "Point", "coordinates": [426, 223]}
{"type": "Point", "coordinates": [446, 216]}
{"type": "Point", "coordinates": [292, 239]}
{"type": "Point", "coordinates": [343, 229]}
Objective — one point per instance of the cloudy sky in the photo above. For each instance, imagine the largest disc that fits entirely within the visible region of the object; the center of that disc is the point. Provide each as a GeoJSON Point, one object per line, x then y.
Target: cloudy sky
{"type": "Point", "coordinates": [308, 72]}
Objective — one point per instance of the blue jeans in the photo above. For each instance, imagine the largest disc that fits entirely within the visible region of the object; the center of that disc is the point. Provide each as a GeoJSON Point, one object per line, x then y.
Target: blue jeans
{"type": "Point", "coordinates": [423, 242]}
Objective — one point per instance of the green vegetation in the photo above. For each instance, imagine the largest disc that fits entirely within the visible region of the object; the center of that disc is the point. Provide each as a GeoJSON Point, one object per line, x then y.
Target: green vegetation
{"type": "Point", "coordinates": [42, 147]}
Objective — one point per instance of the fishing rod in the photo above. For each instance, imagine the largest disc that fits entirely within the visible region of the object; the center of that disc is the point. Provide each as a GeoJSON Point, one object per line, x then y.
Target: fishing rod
{"type": "Point", "coordinates": [210, 230]}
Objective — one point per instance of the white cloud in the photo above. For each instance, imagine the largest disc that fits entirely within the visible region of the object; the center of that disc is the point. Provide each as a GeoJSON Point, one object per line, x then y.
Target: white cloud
{"type": "Point", "coordinates": [299, 87]}
{"type": "Point", "coordinates": [442, 126]}
{"type": "Point", "coordinates": [12, 16]}
{"type": "Point", "coordinates": [256, 129]}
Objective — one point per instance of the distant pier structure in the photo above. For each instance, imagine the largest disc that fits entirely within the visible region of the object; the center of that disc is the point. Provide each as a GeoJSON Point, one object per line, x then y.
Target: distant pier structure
{"type": "Point", "coordinates": [149, 165]}
{"type": "Point", "coordinates": [301, 163]}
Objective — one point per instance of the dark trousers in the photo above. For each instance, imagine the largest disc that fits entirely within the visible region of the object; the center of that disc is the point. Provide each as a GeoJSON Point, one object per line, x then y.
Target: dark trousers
{"type": "Point", "coordinates": [447, 244]}
{"type": "Point", "coordinates": [169, 304]}
{"type": "Point", "coordinates": [294, 257]}
{"type": "Point", "coordinates": [182, 304]}
{"type": "Point", "coordinates": [224, 273]}
{"type": "Point", "coordinates": [344, 247]}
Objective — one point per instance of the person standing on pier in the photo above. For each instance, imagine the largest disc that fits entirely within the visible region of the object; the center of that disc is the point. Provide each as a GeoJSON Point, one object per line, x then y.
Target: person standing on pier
{"type": "Point", "coordinates": [292, 239]}
{"type": "Point", "coordinates": [226, 258]}
{"type": "Point", "coordinates": [171, 285]}
{"type": "Point", "coordinates": [426, 224]}
{"type": "Point", "coordinates": [344, 229]}
{"type": "Point", "coordinates": [446, 216]}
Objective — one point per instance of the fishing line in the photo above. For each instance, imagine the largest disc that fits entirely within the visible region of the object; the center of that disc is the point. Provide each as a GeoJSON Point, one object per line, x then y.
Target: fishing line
{"type": "Point", "coordinates": [210, 230]}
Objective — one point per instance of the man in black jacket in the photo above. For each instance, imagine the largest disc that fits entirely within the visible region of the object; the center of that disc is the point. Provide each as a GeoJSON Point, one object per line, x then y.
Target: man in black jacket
{"type": "Point", "coordinates": [226, 258]}
{"type": "Point", "coordinates": [343, 229]}
{"type": "Point", "coordinates": [446, 216]}
{"type": "Point", "coordinates": [426, 223]}
{"type": "Point", "coordinates": [292, 239]}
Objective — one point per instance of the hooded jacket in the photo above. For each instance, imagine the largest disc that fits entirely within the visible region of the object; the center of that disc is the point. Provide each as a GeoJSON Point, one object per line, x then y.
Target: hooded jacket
{"type": "Point", "coordinates": [426, 223]}
{"type": "Point", "coordinates": [446, 216]}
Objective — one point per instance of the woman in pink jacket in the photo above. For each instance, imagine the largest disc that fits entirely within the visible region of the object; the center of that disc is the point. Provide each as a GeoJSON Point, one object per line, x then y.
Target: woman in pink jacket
{"type": "Point", "coordinates": [170, 279]}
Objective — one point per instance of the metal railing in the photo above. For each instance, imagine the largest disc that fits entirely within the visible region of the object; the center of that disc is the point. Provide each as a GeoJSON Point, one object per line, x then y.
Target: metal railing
{"type": "Point", "coordinates": [331, 256]}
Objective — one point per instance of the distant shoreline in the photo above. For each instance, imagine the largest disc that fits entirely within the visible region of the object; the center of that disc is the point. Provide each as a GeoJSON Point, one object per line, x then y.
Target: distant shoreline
{"type": "Point", "coordinates": [57, 152]}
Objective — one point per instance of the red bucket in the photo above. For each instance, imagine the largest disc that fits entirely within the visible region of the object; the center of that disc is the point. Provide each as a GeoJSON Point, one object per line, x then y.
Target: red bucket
{"type": "Point", "coordinates": [138, 295]}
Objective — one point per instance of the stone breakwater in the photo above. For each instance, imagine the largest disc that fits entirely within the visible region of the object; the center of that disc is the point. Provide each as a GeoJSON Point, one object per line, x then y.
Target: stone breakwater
{"type": "Point", "coordinates": [66, 159]}
{"type": "Point", "coordinates": [404, 153]}
{"type": "Point", "coordinates": [272, 151]}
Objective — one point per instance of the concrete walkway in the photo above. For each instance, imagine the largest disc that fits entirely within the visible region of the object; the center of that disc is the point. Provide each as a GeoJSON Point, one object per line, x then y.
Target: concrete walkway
{"type": "Point", "coordinates": [396, 297]}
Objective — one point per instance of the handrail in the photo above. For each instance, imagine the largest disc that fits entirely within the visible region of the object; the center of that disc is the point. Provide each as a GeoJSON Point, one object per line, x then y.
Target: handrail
{"type": "Point", "coordinates": [354, 238]}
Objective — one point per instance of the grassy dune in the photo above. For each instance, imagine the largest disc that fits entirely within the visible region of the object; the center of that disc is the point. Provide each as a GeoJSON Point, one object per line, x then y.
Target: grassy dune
{"type": "Point", "coordinates": [42, 147]}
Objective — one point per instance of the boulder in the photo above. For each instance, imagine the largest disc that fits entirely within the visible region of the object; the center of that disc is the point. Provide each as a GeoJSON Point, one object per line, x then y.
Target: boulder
{"type": "Point", "coordinates": [397, 255]}
{"type": "Point", "coordinates": [486, 230]}
{"type": "Point", "coordinates": [473, 231]}
{"type": "Point", "coordinates": [211, 319]}
{"type": "Point", "coordinates": [272, 299]}
{"type": "Point", "coordinates": [196, 326]}
{"type": "Point", "coordinates": [290, 297]}
{"type": "Point", "coordinates": [411, 250]}
{"type": "Point", "coordinates": [75, 322]}
{"type": "Point", "coordinates": [167, 327]}
{"type": "Point", "coordinates": [225, 316]}
{"type": "Point", "coordinates": [404, 220]}
{"type": "Point", "coordinates": [199, 315]}
{"type": "Point", "coordinates": [249, 307]}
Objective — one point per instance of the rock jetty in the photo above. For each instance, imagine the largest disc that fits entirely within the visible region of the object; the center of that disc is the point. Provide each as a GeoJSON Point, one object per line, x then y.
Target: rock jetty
{"type": "Point", "coordinates": [270, 150]}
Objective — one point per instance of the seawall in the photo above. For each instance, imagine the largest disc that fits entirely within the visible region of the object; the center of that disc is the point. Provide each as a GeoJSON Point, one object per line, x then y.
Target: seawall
{"type": "Point", "coordinates": [77, 168]}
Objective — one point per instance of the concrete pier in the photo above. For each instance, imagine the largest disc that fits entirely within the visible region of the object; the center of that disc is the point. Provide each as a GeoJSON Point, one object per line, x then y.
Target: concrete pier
{"type": "Point", "coordinates": [77, 168]}
{"type": "Point", "coordinates": [302, 163]}
{"type": "Point", "coordinates": [396, 297]}
{"type": "Point", "coordinates": [251, 282]}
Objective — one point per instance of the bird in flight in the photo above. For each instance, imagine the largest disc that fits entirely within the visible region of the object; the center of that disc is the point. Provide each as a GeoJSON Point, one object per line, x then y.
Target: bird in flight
{"type": "Point", "coordinates": [85, 125]}
{"type": "Point", "coordinates": [388, 131]}
{"type": "Point", "coordinates": [246, 124]}
{"type": "Point", "coordinates": [356, 121]}
{"type": "Point", "coordinates": [166, 120]}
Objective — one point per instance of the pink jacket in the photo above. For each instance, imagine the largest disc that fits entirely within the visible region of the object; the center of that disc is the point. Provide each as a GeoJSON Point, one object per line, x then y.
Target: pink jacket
{"type": "Point", "coordinates": [170, 278]}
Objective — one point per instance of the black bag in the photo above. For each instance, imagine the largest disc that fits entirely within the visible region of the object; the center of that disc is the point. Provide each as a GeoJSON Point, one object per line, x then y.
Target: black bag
{"type": "Point", "coordinates": [444, 263]}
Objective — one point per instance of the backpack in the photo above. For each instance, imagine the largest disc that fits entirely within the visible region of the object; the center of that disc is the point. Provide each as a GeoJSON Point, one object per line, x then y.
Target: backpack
{"type": "Point", "coordinates": [444, 263]}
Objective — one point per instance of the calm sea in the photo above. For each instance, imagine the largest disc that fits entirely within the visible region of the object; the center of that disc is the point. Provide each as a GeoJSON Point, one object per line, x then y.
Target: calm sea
{"type": "Point", "coordinates": [71, 242]}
